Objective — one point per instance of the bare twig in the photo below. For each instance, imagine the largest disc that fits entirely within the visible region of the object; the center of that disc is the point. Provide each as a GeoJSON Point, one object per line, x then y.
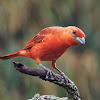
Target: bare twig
{"type": "Point", "coordinates": [48, 75]}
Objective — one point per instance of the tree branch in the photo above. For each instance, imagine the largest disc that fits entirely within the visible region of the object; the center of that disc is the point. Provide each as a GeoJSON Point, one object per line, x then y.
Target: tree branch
{"type": "Point", "coordinates": [48, 75]}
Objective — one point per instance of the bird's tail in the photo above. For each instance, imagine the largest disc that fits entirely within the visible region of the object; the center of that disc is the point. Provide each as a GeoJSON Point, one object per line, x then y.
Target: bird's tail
{"type": "Point", "coordinates": [8, 56]}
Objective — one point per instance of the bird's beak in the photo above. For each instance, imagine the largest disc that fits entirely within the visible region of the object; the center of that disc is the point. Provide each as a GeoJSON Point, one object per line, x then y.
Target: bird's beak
{"type": "Point", "coordinates": [81, 40]}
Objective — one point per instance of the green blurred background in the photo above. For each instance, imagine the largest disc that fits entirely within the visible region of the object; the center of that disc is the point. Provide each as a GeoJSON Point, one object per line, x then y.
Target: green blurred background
{"type": "Point", "coordinates": [20, 20]}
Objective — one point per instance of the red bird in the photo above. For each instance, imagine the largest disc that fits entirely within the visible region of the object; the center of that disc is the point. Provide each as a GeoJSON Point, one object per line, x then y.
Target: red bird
{"type": "Point", "coordinates": [49, 44]}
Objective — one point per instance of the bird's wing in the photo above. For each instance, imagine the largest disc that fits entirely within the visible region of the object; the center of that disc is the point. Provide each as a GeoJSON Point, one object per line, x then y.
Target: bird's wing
{"type": "Point", "coordinates": [41, 35]}
{"type": "Point", "coordinates": [38, 38]}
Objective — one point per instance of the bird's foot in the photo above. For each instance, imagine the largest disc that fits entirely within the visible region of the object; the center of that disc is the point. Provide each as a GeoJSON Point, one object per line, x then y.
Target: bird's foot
{"type": "Point", "coordinates": [49, 73]}
{"type": "Point", "coordinates": [62, 74]}
{"type": "Point", "coordinates": [65, 77]}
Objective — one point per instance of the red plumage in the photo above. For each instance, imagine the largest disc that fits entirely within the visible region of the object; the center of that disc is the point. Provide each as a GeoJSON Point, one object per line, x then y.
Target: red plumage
{"type": "Point", "coordinates": [50, 43]}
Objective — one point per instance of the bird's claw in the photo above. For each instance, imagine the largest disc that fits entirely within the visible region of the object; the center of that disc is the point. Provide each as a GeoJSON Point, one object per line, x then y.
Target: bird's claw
{"type": "Point", "coordinates": [62, 74]}
{"type": "Point", "coordinates": [65, 77]}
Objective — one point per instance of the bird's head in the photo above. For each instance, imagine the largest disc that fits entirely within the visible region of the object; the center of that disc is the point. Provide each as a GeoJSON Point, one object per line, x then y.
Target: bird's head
{"type": "Point", "coordinates": [74, 36]}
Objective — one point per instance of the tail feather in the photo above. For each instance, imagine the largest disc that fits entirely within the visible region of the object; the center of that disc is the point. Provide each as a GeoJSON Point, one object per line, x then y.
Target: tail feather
{"type": "Point", "coordinates": [8, 56]}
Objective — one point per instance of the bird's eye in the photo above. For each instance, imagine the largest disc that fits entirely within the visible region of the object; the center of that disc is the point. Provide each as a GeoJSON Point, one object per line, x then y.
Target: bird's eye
{"type": "Point", "coordinates": [74, 32]}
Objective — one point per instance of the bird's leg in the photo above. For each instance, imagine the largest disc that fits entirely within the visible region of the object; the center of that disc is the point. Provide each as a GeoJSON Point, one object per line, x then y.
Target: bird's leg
{"type": "Point", "coordinates": [54, 65]}
{"type": "Point", "coordinates": [43, 67]}
{"type": "Point", "coordinates": [39, 63]}
{"type": "Point", "coordinates": [62, 74]}
{"type": "Point", "coordinates": [46, 69]}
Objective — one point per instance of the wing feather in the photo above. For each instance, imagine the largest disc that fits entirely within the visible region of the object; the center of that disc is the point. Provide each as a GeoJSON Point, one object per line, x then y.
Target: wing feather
{"type": "Point", "coordinates": [41, 35]}
{"type": "Point", "coordinates": [38, 38]}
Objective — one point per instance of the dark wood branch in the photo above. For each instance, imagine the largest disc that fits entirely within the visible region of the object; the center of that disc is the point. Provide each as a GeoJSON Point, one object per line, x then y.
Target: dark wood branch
{"type": "Point", "coordinates": [48, 75]}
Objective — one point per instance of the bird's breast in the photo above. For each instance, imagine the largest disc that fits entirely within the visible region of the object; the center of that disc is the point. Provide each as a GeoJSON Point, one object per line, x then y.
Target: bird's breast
{"type": "Point", "coordinates": [49, 50]}
{"type": "Point", "coordinates": [50, 54]}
